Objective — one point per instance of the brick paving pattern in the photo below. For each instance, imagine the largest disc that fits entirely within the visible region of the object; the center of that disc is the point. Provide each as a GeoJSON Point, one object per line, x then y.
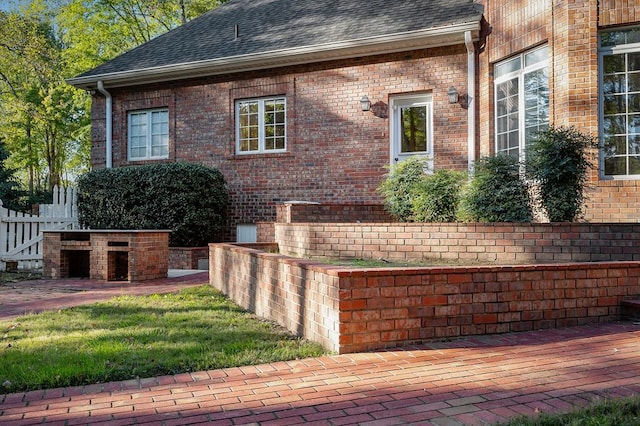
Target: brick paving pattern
{"type": "Point", "coordinates": [473, 381]}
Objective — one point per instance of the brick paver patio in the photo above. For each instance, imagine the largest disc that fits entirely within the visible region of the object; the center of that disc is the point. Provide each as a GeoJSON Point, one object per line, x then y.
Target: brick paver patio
{"type": "Point", "coordinates": [473, 381]}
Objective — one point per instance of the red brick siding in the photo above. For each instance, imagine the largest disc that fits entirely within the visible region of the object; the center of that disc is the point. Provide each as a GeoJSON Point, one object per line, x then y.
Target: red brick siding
{"type": "Point", "coordinates": [336, 153]}
{"type": "Point", "coordinates": [570, 28]}
{"type": "Point", "coordinates": [358, 310]}
{"type": "Point", "coordinates": [616, 12]}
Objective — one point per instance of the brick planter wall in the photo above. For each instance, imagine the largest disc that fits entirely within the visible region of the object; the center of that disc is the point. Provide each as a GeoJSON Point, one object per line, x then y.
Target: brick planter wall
{"type": "Point", "coordinates": [495, 243]}
{"type": "Point", "coordinates": [187, 257]}
{"type": "Point", "coordinates": [352, 310]}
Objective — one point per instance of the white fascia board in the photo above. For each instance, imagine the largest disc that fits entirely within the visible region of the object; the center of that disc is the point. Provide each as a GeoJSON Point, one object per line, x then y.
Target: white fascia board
{"type": "Point", "coordinates": [434, 37]}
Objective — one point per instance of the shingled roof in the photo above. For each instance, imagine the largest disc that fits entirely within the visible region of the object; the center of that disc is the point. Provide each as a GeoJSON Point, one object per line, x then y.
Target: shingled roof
{"type": "Point", "coordinates": [256, 34]}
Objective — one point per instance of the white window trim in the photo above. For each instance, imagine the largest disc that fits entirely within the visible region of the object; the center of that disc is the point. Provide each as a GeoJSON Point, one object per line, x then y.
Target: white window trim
{"type": "Point", "coordinates": [148, 113]}
{"type": "Point", "coordinates": [261, 126]}
{"type": "Point", "coordinates": [520, 73]}
{"type": "Point", "coordinates": [398, 101]}
{"type": "Point", "coordinates": [602, 52]}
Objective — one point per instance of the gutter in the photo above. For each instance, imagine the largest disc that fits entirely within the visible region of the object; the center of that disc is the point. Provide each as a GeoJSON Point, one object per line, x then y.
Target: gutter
{"type": "Point", "coordinates": [471, 101]}
{"type": "Point", "coordinates": [109, 123]}
{"type": "Point", "coordinates": [388, 43]}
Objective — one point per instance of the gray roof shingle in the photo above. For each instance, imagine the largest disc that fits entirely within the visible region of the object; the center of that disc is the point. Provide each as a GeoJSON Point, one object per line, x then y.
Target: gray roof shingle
{"type": "Point", "coordinates": [279, 25]}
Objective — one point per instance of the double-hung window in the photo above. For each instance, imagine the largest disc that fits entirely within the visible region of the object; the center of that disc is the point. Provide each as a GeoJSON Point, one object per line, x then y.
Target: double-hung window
{"type": "Point", "coordinates": [149, 134]}
{"type": "Point", "coordinates": [261, 125]}
{"type": "Point", "coordinates": [620, 103]}
{"type": "Point", "coordinates": [521, 100]}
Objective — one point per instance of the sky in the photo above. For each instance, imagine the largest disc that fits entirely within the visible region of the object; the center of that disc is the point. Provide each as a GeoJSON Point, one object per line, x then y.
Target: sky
{"type": "Point", "coordinates": [7, 5]}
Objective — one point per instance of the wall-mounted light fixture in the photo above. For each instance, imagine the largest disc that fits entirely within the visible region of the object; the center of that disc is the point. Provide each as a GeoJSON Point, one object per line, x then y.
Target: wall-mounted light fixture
{"type": "Point", "coordinates": [365, 103]}
{"type": "Point", "coordinates": [453, 95]}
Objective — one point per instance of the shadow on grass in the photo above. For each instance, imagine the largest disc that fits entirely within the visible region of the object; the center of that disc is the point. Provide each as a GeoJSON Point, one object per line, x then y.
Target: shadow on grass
{"type": "Point", "coordinates": [131, 337]}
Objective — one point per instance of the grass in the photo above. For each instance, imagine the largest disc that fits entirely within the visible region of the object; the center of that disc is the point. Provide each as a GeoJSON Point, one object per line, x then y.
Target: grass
{"type": "Point", "coordinates": [130, 337]}
{"type": "Point", "coordinates": [610, 412]}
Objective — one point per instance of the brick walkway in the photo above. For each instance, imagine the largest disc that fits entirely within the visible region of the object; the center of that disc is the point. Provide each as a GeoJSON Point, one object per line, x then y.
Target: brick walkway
{"type": "Point", "coordinates": [474, 381]}
{"type": "Point", "coordinates": [40, 295]}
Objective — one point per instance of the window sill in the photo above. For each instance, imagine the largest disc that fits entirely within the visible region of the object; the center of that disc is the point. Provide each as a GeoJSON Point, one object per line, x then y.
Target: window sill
{"type": "Point", "coordinates": [261, 155]}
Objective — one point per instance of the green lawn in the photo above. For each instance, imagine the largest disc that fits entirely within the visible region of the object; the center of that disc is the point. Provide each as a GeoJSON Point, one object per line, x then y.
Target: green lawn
{"type": "Point", "coordinates": [610, 412]}
{"type": "Point", "coordinates": [129, 337]}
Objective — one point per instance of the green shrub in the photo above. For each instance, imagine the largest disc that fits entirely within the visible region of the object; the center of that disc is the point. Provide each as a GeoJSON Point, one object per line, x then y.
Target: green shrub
{"type": "Point", "coordinates": [437, 196]}
{"type": "Point", "coordinates": [558, 162]}
{"type": "Point", "coordinates": [496, 193]}
{"type": "Point", "coordinates": [398, 188]}
{"type": "Point", "coordinates": [186, 198]}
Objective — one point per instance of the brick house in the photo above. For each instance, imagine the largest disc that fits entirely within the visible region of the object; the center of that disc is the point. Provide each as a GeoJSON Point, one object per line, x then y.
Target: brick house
{"type": "Point", "coordinates": [270, 91]}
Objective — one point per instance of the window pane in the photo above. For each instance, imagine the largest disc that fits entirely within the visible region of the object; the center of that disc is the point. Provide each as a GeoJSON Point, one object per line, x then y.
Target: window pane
{"type": "Point", "coordinates": [614, 83]}
{"type": "Point", "coordinates": [614, 124]}
{"type": "Point", "coordinates": [634, 165]}
{"type": "Point", "coordinates": [634, 144]}
{"type": "Point", "coordinates": [507, 67]}
{"type": "Point", "coordinates": [614, 104]}
{"type": "Point", "coordinates": [615, 145]}
{"type": "Point", "coordinates": [413, 122]}
{"type": "Point", "coordinates": [613, 64]}
{"type": "Point", "coordinates": [634, 82]}
{"type": "Point", "coordinates": [633, 60]}
{"type": "Point", "coordinates": [615, 166]}
{"type": "Point", "coordinates": [536, 56]}
{"type": "Point", "coordinates": [634, 123]}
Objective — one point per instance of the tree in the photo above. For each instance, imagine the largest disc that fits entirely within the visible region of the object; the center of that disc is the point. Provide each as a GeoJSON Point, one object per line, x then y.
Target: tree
{"type": "Point", "coordinates": [10, 192]}
{"type": "Point", "coordinates": [42, 114]}
{"type": "Point", "coordinates": [44, 122]}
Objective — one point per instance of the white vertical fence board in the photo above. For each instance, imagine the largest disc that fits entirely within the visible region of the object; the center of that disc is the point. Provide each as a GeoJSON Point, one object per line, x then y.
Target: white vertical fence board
{"type": "Point", "coordinates": [21, 233]}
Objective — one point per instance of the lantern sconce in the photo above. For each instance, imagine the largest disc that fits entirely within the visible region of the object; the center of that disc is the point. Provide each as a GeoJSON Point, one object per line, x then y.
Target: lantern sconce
{"type": "Point", "coordinates": [365, 103]}
{"type": "Point", "coordinates": [453, 95]}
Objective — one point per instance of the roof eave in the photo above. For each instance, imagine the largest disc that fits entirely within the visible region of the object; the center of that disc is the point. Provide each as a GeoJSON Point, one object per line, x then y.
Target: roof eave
{"type": "Point", "coordinates": [434, 37]}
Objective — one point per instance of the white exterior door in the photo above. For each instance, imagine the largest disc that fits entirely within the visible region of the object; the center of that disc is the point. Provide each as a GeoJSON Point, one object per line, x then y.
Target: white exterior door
{"type": "Point", "coordinates": [411, 121]}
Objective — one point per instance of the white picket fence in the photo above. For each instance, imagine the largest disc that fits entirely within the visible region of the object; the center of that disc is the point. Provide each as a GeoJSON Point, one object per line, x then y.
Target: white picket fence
{"type": "Point", "coordinates": [21, 233]}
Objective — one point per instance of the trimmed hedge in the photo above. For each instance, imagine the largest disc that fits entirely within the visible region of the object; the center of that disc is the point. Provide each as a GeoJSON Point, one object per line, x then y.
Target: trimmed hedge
{"type": "Point", "coordinates": [189, 199]}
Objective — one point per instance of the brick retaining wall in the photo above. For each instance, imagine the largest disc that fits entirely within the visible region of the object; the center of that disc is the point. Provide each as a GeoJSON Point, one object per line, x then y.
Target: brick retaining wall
{"type": "Point", "coordinates": [352, 310]}
{"type": "Point", "coordinates": [495, 243]}
{"type": "Point", "coordinates": [187, 257]}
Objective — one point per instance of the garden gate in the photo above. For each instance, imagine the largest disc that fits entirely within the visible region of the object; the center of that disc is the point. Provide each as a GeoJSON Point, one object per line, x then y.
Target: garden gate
{"type": "Point", "coordinates": [21, 233]}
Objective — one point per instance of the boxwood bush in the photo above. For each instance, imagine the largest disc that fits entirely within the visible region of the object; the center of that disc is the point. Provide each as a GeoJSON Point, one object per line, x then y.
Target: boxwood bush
{"type": "Point", "coordinates": [558, 161]}
{"type": "Point", "coordinates": [497, 193]}
{"type": "Point", "coordinates": [189, 199]}
{"type": "Point", "coordinates": [437, 196]}
{"type": "Point", "coordinates": [399, 187]}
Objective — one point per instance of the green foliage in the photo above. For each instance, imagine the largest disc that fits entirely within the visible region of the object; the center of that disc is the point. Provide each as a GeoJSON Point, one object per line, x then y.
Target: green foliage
{"type": "Point", "coordinates": [45, 122]}
{"type": "Point", "coordinates": [129, 337]}
{"type": "Point", "coordinates": [436, 197]}
{"type": "Point", "coordinates": [497, 194]}
{"type": "Point", "coordinates": [186, 198]}
{"type": "Point", "coordinates": [399, 186]}
{"type": "Point", "coordinates": [607, 412]}
{"type": "Point", "coordinates": [10, 193]}
{"type": "Point", "coordinates": [558, 161]}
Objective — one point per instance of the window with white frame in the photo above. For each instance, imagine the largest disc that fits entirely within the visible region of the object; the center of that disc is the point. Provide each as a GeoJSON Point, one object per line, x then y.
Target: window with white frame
{"type": "Point", "coordinates": [149, 134]}
{"type": "Point", "coordinates": [261, 125]}
{"type": "Point", "coordinates": [521, 100]}
{"type": "Point", "coordinates": [620, 103]}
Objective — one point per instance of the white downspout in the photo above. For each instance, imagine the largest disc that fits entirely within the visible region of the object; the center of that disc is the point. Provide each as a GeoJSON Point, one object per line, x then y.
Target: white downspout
{"type": "Point", "coordinates": [471, 101]}
{"type": "Point", "coordinates": [109, 124]}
